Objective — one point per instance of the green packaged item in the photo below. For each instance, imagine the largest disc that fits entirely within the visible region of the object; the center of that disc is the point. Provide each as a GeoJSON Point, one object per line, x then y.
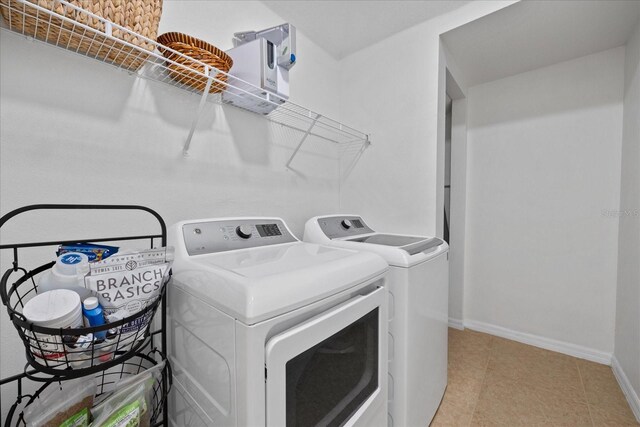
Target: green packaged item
{"type": "Point", "coordinates": [131, 404]}
{"type": "Point", "coordinates": [125, 408]}
{"type": "Point", "coordinates": [66, 404]}
{"type": "Point", "coordinates": [129, 415]}
{"type": "Point", "coordinates": [80, 419]}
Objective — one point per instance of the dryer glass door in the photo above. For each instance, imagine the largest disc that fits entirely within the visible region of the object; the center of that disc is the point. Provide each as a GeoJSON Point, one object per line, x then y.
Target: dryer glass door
{"type": "Point", "coordinates": [327, 370]}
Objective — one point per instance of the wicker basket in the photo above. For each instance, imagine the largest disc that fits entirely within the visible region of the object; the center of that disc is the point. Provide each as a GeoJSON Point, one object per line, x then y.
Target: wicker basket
{"type": "Point", "coordinates": [200, 51]}
{"type": "Point", "coordinates": [138, 16]}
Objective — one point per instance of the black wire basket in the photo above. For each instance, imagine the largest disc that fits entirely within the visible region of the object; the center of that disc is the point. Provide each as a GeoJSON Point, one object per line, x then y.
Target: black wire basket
{"type": "Point", "coordinates": [72, 353]}
{"type": "Point", "coordinates": [107, 382]}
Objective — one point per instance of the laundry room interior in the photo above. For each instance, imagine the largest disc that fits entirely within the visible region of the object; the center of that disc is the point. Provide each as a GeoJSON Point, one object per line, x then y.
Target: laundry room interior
{"type": "Point", "coordinates": [398, 213]}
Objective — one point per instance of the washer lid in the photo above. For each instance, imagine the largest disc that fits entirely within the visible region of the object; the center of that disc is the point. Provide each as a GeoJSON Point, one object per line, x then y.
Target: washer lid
{"type": "Point", "coordinates": [258, 283]}
{"type": "Point", "coordinates": [388, 239]}
{"type": "Point", "coordinates": [410, 244]}
{"type": "Point", "coordinates": [351, 232]}
{"type": "Point", "coordinates": [274, 260]}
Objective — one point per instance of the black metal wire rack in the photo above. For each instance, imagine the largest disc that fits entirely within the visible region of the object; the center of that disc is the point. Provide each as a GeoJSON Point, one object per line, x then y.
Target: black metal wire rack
{"type": "Point", "coordinates": [146, 347]}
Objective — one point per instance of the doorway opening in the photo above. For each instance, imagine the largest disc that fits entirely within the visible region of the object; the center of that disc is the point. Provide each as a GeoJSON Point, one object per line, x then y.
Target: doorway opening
{"type": "Point", "coordinates": [447, 167]}
{"type": "Point", "coordinates": [455, 193]}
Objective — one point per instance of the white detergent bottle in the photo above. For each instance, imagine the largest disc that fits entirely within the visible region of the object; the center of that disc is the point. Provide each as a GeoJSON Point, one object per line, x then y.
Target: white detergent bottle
{"type": "Point", "coordinates": [67, 273]}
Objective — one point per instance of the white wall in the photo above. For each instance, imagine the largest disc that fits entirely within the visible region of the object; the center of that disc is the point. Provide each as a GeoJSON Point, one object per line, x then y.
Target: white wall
{"type": "Point", "coordinates": [77, 131]}
{"type": "Point", "coordinates": [543, 166]}
{"type": "Point", "coordinates": [391, 89]}
{"type": "Point", "coordinates": [627, 346]}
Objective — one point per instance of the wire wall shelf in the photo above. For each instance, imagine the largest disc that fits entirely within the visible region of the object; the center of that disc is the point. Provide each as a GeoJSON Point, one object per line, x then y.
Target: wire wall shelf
{"type": "Point", "coordinates": [64, 25]}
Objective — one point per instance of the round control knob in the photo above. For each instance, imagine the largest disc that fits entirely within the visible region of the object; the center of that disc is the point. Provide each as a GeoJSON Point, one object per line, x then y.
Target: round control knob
{"type": "Point", "coordinates": [243, 231]}
{"type": "Point", "coordinates": [346, 223]}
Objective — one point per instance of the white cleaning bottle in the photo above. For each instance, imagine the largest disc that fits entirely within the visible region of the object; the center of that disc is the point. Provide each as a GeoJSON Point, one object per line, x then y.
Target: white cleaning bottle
{"type": "Point", "coordinates": [67, 273]}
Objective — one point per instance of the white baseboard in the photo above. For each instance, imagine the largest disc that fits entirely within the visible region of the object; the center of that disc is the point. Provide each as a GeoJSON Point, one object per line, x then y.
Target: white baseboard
{"type": "Point", "coordinates": [627, 389]}
{"type": "Point", "coordinates": [456, 323]}
{"type": "Point", "coordinates": [542, 342]}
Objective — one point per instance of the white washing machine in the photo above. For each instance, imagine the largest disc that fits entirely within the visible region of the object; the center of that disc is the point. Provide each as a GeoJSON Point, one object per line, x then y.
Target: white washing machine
{"type": "Point", "coordinates": [265, 330]}
{"type": "Point", "coordinates": [418, 311]}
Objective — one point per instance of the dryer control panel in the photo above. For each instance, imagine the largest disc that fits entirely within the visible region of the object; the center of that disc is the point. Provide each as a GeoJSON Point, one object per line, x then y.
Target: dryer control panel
{"type": "Point", "coordinates": [343, 226]}
{"type": "Point", "coordinates": [207, 237]}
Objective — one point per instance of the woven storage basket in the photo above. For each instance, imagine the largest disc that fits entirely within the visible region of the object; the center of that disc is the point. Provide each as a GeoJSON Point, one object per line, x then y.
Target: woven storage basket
{"type": "Point", "coordinates": [139, 16]}
{"type": "Point", "coordinates": [200, 51]}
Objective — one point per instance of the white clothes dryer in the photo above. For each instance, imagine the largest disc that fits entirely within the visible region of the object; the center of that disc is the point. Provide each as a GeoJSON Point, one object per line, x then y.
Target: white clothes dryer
{"type": "Point", "coordinates": [265, 330]}
{"type": "Point", "coordinates": [418, 311]}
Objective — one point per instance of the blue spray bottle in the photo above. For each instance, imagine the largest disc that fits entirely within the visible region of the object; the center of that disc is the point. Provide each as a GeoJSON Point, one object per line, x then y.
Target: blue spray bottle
{"type": "Point", "coordinates": [94, 316]}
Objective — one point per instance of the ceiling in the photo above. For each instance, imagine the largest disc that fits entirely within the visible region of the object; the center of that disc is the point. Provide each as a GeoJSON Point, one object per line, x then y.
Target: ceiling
{"type": "Point", "coordinates": [534, 34]}
{"type": "Point", "coordinates": [344, 27]}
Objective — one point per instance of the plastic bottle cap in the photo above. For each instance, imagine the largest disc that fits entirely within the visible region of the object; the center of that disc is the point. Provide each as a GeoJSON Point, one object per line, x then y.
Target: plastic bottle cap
{"type": "Point", "coordinates": [90, 303]}
{"type": "Point", "coordinates": [68, 264]}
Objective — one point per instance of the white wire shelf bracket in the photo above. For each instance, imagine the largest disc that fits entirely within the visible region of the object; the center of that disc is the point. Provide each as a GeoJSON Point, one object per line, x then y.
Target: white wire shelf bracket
{"type": "Point", "coordinates": [122, 48]}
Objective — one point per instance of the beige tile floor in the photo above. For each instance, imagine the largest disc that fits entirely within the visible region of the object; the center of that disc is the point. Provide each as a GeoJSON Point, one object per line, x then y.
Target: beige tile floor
{"type": "Point", "coordinates": [497, 382]}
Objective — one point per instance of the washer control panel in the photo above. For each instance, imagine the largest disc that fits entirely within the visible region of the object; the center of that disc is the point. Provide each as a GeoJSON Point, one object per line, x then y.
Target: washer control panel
{"type": "Point", "coordinates": [207, 237]}
{"type": "Point", "coordinates": [343, 226]}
